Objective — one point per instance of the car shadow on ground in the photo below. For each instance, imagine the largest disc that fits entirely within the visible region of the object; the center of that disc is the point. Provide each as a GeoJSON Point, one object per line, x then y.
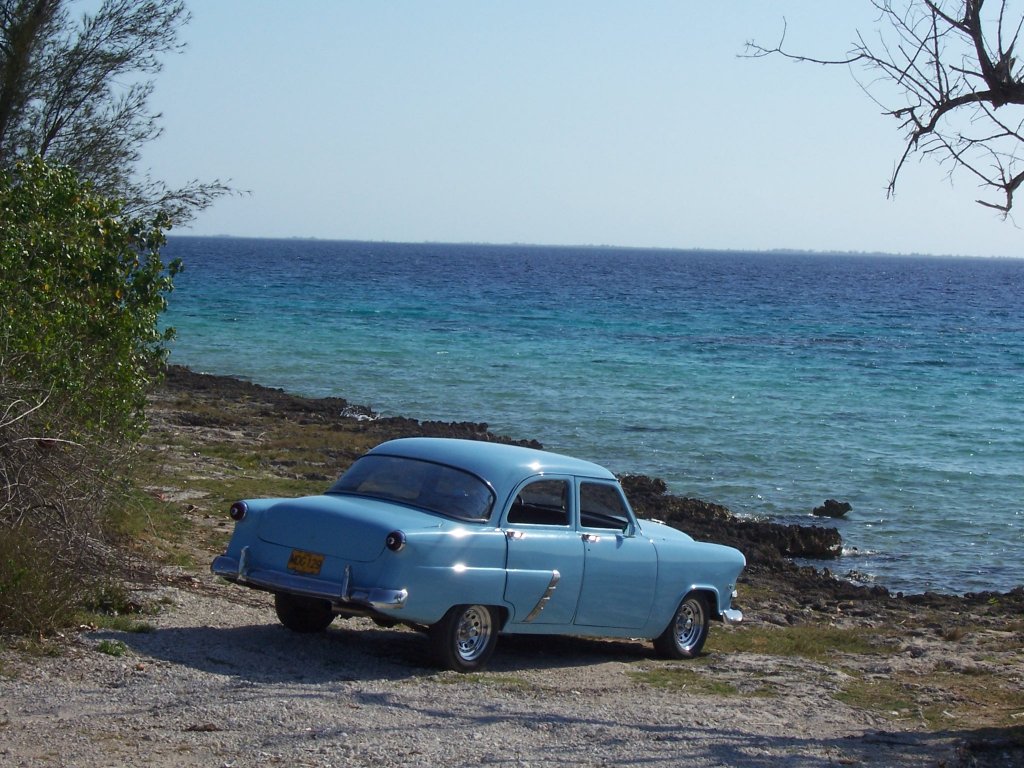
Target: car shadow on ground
{"type": "Point", "coordinates": [272, 653]}
{"type": "Point", "coordinates": [359, 651]}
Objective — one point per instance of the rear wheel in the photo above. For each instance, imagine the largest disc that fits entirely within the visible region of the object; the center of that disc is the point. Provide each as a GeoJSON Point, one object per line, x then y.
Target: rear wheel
{"type": "Point", "coordinates": [684, 636]}
{"type": "Point", "coordinates": [303, 614]}
{"type": "Point", "coordinates": [465, 638]}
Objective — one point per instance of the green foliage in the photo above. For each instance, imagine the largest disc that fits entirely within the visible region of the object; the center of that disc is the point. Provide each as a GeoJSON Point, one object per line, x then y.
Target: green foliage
{"type": "Point", "coordinates": [81, 290]}
{"type": "Point", "coordinates": [684, 678]}
{"type": "Point", "coordinates": [113, 648]}
{"type": "Point", "coordinates": [36, 592]}
{"type": "Point", "coordinates": [807, 641]}
{"type": "Point", "coordinates": [109, 606]}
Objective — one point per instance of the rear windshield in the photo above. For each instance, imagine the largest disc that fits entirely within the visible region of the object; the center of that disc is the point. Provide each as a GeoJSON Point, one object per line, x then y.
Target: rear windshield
{"type": "Point", "coordinates": [434, 487]}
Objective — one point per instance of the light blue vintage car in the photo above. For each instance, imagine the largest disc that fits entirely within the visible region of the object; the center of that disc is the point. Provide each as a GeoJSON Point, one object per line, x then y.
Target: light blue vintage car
{"type": "Point", "coordinates": [467, 539]}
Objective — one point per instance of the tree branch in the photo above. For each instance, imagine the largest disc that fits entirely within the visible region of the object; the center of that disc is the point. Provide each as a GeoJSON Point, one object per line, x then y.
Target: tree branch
{"type": "Point", "coordinates": [942, 77]}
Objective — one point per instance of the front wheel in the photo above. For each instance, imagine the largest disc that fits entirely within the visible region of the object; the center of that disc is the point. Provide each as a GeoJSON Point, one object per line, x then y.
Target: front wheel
{"type": "Point", "coordinates": [464, 639]}
{"type": "Point", "coordinates": [684, 636]}
{"type": "Point", "coordinates": [303, 614]}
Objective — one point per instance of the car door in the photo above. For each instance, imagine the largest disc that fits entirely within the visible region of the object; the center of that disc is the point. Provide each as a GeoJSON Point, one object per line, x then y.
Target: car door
{"type": "Point", "coordinates": [545, 553]}
{"type": "Point", "coordinates": [620, 569]}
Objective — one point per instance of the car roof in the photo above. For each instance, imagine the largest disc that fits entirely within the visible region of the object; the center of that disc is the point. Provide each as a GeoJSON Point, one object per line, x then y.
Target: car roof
{"type": "Point", "coordinates": [503, 466]}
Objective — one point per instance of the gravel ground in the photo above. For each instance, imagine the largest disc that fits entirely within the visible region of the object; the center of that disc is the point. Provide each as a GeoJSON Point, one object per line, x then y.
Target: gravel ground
{"type": "Point", "coordinates": [220, 683]}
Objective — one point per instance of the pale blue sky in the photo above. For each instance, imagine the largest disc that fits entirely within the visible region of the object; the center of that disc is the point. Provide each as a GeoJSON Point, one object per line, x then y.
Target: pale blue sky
{"type": "Point", "coordinates": [537, 121]}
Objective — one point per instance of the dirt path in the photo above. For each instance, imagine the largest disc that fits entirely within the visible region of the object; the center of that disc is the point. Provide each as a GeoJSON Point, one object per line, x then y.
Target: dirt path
{"type": "Point", "coordinates": [218, 682]}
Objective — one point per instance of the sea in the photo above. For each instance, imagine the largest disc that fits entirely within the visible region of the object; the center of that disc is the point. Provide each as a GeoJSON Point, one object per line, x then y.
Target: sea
{"type": "Point", "coordinates": [767, 382]}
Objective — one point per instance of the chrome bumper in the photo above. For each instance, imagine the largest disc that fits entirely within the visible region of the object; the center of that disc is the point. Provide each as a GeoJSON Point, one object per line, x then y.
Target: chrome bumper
{"type": "Point", "coordinates": [732, 616]}
{"type": "Point", "coordinates": [338, 593]}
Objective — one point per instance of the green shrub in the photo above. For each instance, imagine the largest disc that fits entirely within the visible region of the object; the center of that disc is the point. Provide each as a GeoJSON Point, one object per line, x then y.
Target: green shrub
{"type": "Point", "coordinates": [112, 648]}
{"type": "Point", "coordinates": [37, 591]}
{"type": "Point", "coordinates": [82, 286]}
{"type": "Point", "coordinates": [81, 290]}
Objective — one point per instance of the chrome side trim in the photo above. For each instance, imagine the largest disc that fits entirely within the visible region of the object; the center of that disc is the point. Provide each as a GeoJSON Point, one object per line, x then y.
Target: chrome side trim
{"type": "Point", "coordinates": [227, 566]}
{"type": "Point", "coordinates": [555, 577]}
{"type": "Point", "coordinates": [379, 598]}
{"type": "Point", "coordinates": [243, 563]}
{"type": "Point", "coordinates": [345, 583]}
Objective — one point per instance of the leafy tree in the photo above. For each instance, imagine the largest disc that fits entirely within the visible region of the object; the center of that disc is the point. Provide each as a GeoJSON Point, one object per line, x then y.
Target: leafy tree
{"type": "Point", "coordinates": [82, 286]}
{"type": "Point", "coordinates": [946, 70]}
{"type": "Point", "coordinates": [75, 90]}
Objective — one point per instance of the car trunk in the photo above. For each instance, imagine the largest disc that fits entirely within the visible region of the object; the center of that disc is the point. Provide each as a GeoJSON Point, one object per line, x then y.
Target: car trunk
{"type": "Point", "coordinates": [344, 527]}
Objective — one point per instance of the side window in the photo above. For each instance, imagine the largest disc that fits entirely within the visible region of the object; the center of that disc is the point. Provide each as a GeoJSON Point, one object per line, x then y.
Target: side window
{"type": "Point", "coordinates": [602, 506]}
{"type": "Point", "coordinates": [542, 502]}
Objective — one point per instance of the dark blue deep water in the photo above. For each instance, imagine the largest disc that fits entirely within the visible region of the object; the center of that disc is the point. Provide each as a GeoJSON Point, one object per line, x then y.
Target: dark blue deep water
{"type": "Point", "coordinates": [766, 382]}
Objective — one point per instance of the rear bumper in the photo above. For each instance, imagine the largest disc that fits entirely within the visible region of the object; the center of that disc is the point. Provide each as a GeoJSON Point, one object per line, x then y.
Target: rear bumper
{"type": "Point", "coordinates": [337, 593]}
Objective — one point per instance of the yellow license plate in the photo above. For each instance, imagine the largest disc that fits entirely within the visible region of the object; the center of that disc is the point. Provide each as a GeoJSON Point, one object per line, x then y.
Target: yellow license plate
{"type": "Point", "coordinates": [305, 562]}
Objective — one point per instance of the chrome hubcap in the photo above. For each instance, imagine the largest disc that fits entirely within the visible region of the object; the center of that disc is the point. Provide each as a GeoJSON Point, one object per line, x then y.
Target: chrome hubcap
{"type": "Point", "coordinates": [689, 624]}
{"type": "Point", "coordinates": [473, 633]}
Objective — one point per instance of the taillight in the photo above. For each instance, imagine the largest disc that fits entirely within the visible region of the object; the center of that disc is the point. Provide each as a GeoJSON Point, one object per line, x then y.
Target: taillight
{"type": "Point", "coordinates": [238, 510]}
{"type": "Point", "coordinates": [395, 541]}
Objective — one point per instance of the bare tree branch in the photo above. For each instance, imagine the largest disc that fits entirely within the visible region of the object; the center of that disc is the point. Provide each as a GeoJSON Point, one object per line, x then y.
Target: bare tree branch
{"type": "Point", "coordinates": [944, 68]}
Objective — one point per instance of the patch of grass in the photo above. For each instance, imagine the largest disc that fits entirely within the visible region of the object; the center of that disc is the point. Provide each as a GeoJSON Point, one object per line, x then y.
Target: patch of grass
{"type": "Point", "coordinates": [809, 641]}
{"type": "Point", "coordinates": [989, 699]}
{"type": "Point", "coordinates": [182, 559]}
{"type": "Point", "coordinates": [238, 456]}
{"type": "Point", "coordinates": [111, 598]}
{"type": "Point", "coordinates": [111, 607]}
{"type": "Point", "coordinates": [141, 516]}
{"type": "Point", "coordinates": [1015, 626]}
{"type": "Point", "coordinates": [222, 493]}
{"type": "Point", "coordinates": [114, 648]}
{"type": "Point", "coordinates": [36, 646]}
{"type": "Point", "coordinates": [938, 699]}
{"type": "Point", "coordinates": [884, 696]}
{"type": "Point", "coordinates": [753, 593]}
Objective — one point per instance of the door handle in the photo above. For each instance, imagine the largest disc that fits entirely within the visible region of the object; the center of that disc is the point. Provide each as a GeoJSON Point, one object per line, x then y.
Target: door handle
{"type": "Point", "coordinates": [591, 538]}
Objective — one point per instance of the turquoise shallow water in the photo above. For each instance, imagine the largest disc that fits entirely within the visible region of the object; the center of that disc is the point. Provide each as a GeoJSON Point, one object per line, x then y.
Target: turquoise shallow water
{"type": "Point", "coordinates": [767, 382]}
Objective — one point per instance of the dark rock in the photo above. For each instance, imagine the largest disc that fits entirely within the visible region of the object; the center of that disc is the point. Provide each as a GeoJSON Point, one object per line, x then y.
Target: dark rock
{"type": "Point", "coordinates": [271, 402]}
{"type": "Point", "coordinates": [832, 508]}
{"type": "Point", "coordinates": [775, 586]}
{"type": "Point", "coordinates": [764, 543]}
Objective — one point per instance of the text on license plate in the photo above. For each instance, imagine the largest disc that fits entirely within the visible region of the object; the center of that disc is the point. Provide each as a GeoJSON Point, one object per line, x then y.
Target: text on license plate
{"type": "Point", "coordinates": [305, 562]}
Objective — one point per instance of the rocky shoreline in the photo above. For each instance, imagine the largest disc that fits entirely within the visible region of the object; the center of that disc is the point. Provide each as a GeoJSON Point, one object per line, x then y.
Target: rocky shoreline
{"type": "Point", "coordinates": [769, 547]}
{"type": "Point", "coordinates": [821, 672]}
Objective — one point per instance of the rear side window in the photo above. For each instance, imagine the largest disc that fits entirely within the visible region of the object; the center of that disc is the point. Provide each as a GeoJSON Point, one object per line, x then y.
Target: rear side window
{"type": "Point", "coordinates": [435, 487]}
{"type": "Point", "coordinates": [602, 506]}
{"type": "Point", "coordinates": [542, 502]}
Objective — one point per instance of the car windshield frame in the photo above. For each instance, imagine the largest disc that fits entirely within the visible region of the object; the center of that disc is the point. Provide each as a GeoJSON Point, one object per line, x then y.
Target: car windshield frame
{"type": "Point", "coordinates": [426, 485]}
